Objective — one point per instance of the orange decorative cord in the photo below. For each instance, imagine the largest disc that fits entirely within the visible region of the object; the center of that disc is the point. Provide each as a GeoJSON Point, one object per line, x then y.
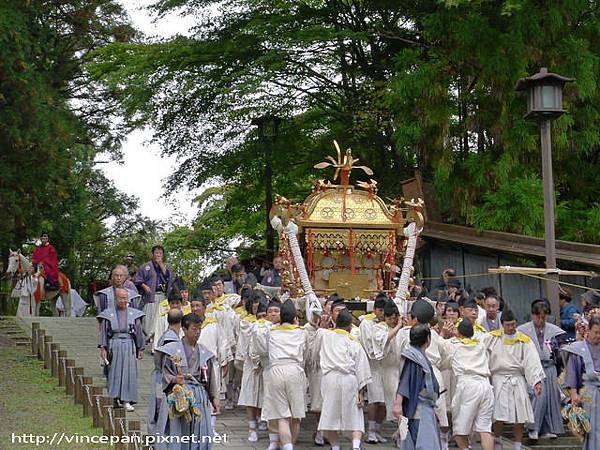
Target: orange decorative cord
{"type": "Point", "coordinates": [351, 251]}
{"type": "Point", "coordinates": [310, 255]}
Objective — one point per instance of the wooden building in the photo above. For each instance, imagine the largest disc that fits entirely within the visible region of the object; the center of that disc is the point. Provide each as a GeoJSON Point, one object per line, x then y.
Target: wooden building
{"type": "Point", "coordinates": [473, 252]}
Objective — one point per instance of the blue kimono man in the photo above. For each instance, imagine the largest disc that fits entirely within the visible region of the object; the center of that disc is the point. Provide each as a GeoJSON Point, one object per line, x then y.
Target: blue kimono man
{"type": "Point", "coordinates": [154, 280]}
{"type": "Point", "coordinates": [418, 391]}
{"type": "Point", "coordinates": [122, 344]}
{"type": "Point", "coordinates": [583, 379]}
{"type": "Point", "coordinates": [188, 363]}
{"type": "Point", "coordinates": [173, 334]}
{"type": "Point", "coordinates": [546, 407]}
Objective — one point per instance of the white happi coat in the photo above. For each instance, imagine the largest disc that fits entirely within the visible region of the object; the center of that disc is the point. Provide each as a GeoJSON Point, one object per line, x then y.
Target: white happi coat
{"type": "Point", "coordinates": [226, 318]}
{"type": "Point", "coordinates": [346, 371]}
{"type": "Point", "coordinates": [514, 366]}
{"type": "Point", "coordinates": [284, 378]}
{"type": "Point", "coordinates": [473, 402]}
{"type": "Point", "coordinates": [312, 368]}
{"type": "Point", "coordinates": [366, 339]}
{"type": "Point", "coordinates": [252, 387]}
{"type": "Point", "coordinates": [212, 337]}
{"type": "Point", "coordinates": [389, 355]}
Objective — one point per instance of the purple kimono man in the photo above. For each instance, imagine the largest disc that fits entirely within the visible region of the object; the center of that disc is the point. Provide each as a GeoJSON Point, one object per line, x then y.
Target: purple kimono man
{"type": "Point", "coordinates": [546, 407]}
{"type": "Point", "coordinates": [419, 391]}
{"type": "Point", "coordinates": [583, 379]}
{"type": "Point", "coordinates": [155, 282]}
{"type": "Point", "coordinates": [122, 343]}
{"type": "Point", "coordinates": [156, 393]}
{"type": "Point", "coordinates": [198, 372]}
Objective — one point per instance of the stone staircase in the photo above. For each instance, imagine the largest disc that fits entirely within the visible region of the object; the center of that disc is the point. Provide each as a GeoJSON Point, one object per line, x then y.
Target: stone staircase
{"type": "Point", "coordinates": [69, 348]}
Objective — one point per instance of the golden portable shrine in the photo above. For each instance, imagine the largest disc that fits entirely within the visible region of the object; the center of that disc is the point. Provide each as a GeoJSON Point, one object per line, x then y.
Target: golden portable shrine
{"type": "Point", "coordinates": [349, 237]}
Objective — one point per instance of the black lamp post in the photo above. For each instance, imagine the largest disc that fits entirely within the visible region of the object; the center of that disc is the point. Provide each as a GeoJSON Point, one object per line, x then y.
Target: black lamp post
{"type": "Point", "coordinates": [268, 129]}
{"type": "Point", "coordinates": [544, 104]}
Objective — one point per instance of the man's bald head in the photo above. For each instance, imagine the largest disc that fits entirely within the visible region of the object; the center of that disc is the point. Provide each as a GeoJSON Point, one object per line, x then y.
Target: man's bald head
{"type": "Point", "coordinates": [174, 316]}
{"type": "Point", "coordinates": [122, 298]}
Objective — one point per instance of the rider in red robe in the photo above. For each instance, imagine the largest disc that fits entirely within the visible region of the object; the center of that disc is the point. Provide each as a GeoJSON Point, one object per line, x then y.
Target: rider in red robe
{"type": "Point", "coordinates": [46, 255]}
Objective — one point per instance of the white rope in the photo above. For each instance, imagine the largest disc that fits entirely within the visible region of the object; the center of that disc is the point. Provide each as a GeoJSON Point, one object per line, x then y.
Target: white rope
{"type": "Point", "coordinates": [313, 305]}
{"type": "Point", "coordinates": [99, 407]}
{"type": "Point", "coordinates": [135, 441]}
{"type": "Point", "coordinates": [110, 419]}
{"type": "Point", "coordinates": [401, 297]}
{"type": "Point", "coordinates": [121, 422]}
{"type": "Point", "coordinates": [71, 373]}
{"type": "Point", "coordinates": [87, 391]}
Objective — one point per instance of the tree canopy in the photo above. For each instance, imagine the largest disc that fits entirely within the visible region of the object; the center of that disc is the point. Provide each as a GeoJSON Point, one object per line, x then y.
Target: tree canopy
{"type": "Point", "coordinates": [421, 84]}
{"type": "Point", "coordinates": [54, 122]}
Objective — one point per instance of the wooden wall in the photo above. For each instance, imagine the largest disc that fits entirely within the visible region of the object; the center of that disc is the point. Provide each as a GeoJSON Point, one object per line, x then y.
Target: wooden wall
{"type": "Point", "coordinates": [517, 290]}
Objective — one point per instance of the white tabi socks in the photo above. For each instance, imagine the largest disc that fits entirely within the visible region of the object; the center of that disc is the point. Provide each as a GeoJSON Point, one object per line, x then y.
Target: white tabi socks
{"type": "Point", "coordinates": [273, 441]}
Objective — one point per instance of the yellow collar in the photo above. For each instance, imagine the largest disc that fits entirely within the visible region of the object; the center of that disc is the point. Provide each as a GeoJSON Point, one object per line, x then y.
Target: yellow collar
{"type": "Point", "coordinates": [208, 321]}
{"type": "Point", "coordinates": [249, 318]}
{"type": "Point", "coordinates": [370, 316]}
{"type": "Point", "coordinates": [467, 341]}
{"type": "Point", "coordinates": [222, 298]}
{"type": "Point", "coordinates": [214, 307]}
{"type": "Point", "coordinates": [476, 326]}
{"type": "Point", "coordinates": [262, 321]}
{"type": "Point", "coordinates": [519, 337]}
{"type": "Point", "coordinates": [241, 311]}
{"type": "Point", "coordinates": [285, 327]}
{"type": "Point", "coordinates": [343, 333]}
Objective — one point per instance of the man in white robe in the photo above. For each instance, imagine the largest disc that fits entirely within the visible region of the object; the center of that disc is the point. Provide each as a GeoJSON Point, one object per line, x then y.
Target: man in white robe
{"type": "Point", "coordinates": [469, 311]}
{"type": "Point", "coordinates": [376, 408]}
{"type": "Point", "coordinates": [312, 368]}
{"type": "Point", "coordinates": [514, 366]}
{"type": "Point", "coordinates": [268, 315]}
{"type": "Point", "coordinates": [284, 378]}
{"type": "Point", "coordinates": [346, 374]}
{"type": "Point", "coordinates": [387, 351]}
{"type": "Point", "coordinates": [473, 402]}
{"type": "Point", "coordinates": [161, 323]}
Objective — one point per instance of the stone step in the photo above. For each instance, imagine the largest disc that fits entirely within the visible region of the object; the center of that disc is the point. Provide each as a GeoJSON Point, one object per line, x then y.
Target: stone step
{"type": "Point", "coordinates": [79, 337]}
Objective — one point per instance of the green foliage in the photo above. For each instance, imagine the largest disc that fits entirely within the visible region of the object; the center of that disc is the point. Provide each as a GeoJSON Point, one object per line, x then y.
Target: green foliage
{"type": "Point", "coordinates": [54, 122]}
{"type": "Point", "coordinates": [517, 206]}
{"type": "Point", "coordinates": [426, 84]}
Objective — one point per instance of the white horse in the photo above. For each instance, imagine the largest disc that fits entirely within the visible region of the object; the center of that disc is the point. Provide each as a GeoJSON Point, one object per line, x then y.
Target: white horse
{"type": "Point", "coordinates": [26, 283]}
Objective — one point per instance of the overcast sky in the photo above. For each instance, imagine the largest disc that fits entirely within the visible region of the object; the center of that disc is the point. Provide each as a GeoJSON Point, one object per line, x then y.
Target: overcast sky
{"type": "Point", "coordinates": [144, 169]}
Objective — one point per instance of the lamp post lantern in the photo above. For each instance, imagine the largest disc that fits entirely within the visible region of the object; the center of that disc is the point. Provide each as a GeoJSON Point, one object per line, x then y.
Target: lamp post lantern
{"type": "Point", "coordinates": [544, 104]}
{"type": "Point", "coordinates": [268, 130]}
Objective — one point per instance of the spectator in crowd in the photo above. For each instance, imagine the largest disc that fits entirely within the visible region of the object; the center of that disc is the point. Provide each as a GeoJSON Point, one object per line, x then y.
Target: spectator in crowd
{"type": "Point", "coordinates": [273, 277]}
{"type": "Point", "coordinates": [155, 278]}
{"type": "Point", "coordinates": [130, 264]}
{"type": "Point", "coordinates": [240, 278]}
{"type": "Point", "coordinates": [255, 267]}
{"type": "Point", "coordinates": [228, 283]}
{"type": "Point", "coordinates": [118, 279]}
{"type": "Point", "coordinates": [568, 314]}
{"type": "Point", "coordinates": [491, 318]}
